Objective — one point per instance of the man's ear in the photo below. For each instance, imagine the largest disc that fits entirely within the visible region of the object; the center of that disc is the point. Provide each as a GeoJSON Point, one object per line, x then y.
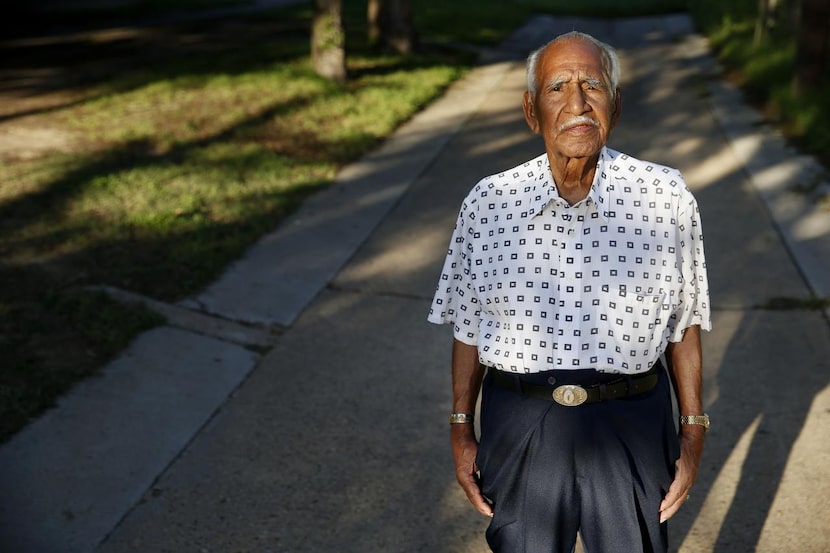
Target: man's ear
{"type": "Point", "coordinates": [529, 108]}
{"type": "Point", "coordinates": [617, 110]}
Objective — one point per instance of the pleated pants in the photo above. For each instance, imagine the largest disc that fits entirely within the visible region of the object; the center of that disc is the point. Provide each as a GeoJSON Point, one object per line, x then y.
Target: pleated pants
{"type": "Point", "coordinates": [600, 469]}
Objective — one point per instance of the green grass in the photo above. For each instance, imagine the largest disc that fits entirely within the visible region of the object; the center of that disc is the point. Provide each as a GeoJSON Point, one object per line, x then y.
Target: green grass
{"type": "Point", "coordinates": [190, 143]}
{"type": "Point", "coordinates": [765, 70]}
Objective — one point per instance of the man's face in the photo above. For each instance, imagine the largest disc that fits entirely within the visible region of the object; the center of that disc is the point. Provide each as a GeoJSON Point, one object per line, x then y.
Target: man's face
{"type": "Point", "coordinates": [573, 108]}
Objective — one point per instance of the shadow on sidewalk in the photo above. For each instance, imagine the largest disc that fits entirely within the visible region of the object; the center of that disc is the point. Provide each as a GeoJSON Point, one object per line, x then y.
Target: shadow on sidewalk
{"type": "Point", "coordinates": [764, 369]}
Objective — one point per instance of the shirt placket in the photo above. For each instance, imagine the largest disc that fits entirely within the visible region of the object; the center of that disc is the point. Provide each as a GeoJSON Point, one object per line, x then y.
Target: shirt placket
{"type": "Point", "coordinates": [570, 261]}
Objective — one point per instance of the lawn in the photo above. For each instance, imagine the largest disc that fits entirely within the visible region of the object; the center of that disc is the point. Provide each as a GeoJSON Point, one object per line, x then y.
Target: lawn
{"type": "Point", "coordinates": [178, 146]}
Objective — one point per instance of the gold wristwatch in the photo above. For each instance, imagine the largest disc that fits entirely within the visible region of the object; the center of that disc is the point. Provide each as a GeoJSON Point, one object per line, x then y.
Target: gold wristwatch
{"type": "Point", "coordinates": [702, 420]}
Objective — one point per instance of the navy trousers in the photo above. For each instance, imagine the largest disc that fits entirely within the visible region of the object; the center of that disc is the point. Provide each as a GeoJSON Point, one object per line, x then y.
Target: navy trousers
{"type": "Point", "coordinates": [601, 469]}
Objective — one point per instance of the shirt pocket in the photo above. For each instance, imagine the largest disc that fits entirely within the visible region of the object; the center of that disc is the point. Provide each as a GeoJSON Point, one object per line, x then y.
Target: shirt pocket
{"type": "Point", "coordinates": [638, 321]}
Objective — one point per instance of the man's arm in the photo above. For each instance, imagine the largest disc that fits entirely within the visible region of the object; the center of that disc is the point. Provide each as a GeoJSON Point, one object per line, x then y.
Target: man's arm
{"type": "Point", "coordinates": [686, 361]}
{"type": "Point", "coordinates": [467, 374]}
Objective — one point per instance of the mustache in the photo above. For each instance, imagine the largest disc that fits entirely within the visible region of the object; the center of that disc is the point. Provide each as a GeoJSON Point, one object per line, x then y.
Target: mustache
{"type": "Point", "coordinates": [578, 120]}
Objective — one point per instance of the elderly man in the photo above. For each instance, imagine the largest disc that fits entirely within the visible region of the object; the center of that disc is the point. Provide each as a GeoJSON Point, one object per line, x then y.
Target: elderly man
{"type": "Point", "coordinates": [567, 280]}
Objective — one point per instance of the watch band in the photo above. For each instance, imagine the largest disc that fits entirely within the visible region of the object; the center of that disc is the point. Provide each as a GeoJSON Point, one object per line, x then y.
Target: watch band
{"type": "Point", "coordinates": [702, 420]}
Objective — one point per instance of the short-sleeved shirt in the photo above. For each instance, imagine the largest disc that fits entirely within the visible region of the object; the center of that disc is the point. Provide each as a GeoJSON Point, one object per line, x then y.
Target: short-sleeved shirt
{"type": "Point", "coordinates": [537, 284]}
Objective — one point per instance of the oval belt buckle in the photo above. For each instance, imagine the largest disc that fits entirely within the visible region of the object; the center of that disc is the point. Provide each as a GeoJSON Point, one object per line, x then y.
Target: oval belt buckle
{"type": "Point", "coordinates": [570, 395]}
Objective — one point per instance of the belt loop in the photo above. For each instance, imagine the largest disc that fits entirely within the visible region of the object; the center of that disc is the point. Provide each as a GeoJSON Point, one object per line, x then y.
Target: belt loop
{"type": "Point", "coordinates": [629, 388]}
{"type": "Point", "coordinates": [602, 392]}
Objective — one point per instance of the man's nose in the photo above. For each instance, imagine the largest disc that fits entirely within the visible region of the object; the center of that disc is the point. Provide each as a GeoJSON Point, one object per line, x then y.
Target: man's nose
{"type": "Point", "coordinates": [577, 100]}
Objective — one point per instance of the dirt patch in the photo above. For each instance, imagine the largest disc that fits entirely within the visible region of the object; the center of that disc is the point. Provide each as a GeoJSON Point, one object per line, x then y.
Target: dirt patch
{"type": "Point", "coordinates": [19, 142]}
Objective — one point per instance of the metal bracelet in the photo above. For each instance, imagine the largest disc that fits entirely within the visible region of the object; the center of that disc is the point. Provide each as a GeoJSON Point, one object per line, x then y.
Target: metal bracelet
{"type": "Point", "coordinates": [702, 420]}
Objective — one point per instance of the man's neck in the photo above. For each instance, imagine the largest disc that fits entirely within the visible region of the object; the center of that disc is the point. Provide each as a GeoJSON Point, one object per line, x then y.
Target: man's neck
{"type": "Point", "coordinates": [573, 176]}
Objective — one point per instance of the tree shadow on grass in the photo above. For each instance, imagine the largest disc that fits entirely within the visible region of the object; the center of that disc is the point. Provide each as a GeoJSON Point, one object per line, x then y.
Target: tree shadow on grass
{"type": "Point", "coordinates": [94, 65]}
{"type": "Point", "coordinates": [52, 197]}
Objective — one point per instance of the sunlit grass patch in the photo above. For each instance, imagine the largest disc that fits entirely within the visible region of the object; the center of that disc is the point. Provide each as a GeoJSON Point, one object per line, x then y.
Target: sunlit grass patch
{"type": "Point", "coordinates": [181, 109]}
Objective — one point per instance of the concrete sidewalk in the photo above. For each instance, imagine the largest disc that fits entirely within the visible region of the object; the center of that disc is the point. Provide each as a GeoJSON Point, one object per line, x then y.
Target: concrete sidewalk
{"type": "Point", "coordinates": [336, 439]}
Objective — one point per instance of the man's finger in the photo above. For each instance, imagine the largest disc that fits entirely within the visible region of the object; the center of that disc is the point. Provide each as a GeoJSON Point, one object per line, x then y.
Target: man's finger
{"type": "Point", "coordinates": [671, 504]}
{"type": "Point", "coordinates": [470, 487]}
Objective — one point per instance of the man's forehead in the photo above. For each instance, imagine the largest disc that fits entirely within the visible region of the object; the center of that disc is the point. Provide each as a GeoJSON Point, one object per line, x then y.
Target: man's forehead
{"type": "Point", "coordinates": [572, 51]}
{"type": "Point", "coordinates": [575, 73]}
{"type": "Point", "coordinates": [563, 65]}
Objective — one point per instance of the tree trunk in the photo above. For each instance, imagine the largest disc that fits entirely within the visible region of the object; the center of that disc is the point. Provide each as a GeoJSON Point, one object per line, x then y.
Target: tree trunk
{"type": "Point", "coordinates": [761, 22]}
{"type": "Point", "coordinates": [397, 27]}
{"type": "Point", "coordinates": [328, 40]}
{"type": "Point", "coordinates": [812, 45]}
{"type": "Point", "coordinates": [373, 22]}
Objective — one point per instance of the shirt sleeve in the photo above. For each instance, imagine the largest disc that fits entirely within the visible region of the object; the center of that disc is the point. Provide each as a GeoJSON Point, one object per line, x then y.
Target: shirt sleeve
{"type": "Point", "coordinates": [455, 301]}
{"type": "Point", "coordinates": [693, 306]}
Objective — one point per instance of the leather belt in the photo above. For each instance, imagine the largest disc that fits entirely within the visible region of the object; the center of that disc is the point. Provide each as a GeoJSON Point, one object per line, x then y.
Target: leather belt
{"type": "Point", "coordinates": [571, 395]}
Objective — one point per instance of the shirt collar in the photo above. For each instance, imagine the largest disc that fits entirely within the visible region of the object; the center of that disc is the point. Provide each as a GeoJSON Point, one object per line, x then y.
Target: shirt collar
{"type": "Point", "coordinates": [544, 190]}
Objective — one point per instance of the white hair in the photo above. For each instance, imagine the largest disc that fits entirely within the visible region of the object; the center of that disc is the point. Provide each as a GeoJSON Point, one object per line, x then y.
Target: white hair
{"type": "Point", "coordinates": [610, 61]}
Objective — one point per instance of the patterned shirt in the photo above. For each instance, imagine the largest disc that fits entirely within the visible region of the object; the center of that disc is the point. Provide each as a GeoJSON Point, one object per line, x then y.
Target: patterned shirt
{"type": "Point", "coordinates": [537, 284]}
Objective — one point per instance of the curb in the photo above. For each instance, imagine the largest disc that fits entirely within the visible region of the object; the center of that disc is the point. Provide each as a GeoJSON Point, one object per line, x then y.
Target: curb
{"type": "Point", "coordinates": [284, 271]}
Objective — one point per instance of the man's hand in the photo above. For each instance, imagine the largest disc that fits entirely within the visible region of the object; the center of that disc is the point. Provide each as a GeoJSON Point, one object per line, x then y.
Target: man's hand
{"type": "Point", "coordinates": [686, 367]}
{"type": "Point", "coordinates": [464, 449]}
{"type": "Point", "coordinates": [691, 449]}
{"type": "Point", "coordinates": [467, 374]}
